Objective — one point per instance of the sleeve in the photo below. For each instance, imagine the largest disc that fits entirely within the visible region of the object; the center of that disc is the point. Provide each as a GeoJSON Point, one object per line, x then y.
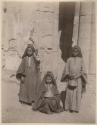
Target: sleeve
{"type": "Point", "coordinates": [65, 74]}
{"type": "Point", "coordinates": [83, 73]}
{"type": "Point", "coordinates": [21, 70]}
{"type": "Point", "coordinates": [36, 56]}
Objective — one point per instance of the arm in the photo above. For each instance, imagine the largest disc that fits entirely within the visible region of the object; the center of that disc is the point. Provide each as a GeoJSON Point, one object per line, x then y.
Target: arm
{"type": "Point", "coordinates": [84, 77]}
{"type": "Point", "coordinates": [65, 75]}
{"type": "Point", "coordinates": [21, 70]}
{"type": "Point", "coordinates": [36, 56]}
{"type": "Point", "coordinates": [83, 72]}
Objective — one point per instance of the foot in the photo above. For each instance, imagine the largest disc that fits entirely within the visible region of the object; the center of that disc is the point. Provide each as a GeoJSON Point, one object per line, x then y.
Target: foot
{"type": "Point", "coordinates": [71, 111]}
{"type": "Point", "coordinates": [77, 111]}
{"type": "Point", "coordinates": [65, 109]}
{"type": "Point", "coordinates": [25, 103]}
{"type": "Point", "coordinates": [21, 102]}
{"type": "Point", "coordinates": [33, 101]}
{"type": "Point", "coordinates": [49, 113]}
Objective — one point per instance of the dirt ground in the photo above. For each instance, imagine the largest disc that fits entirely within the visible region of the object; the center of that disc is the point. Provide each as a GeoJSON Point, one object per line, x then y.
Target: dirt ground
{"type": "Point", "coordinates": [14, 112]}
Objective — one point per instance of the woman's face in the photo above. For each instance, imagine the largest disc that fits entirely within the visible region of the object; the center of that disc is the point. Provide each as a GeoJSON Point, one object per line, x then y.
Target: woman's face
{"type": "Point", "coordinates": [48, 79]}
{"type": "Point", "coordinates": [29, 52]}
{"type": "Point", "coordinates": [75, 52]}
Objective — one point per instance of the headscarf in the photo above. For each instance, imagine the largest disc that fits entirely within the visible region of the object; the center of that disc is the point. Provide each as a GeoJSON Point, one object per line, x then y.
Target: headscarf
{"type": "Point", "coordinates": [49, 73]}
{"type": "Point", "coordinates": [42, 89]}
{"type": "Point", "coordinates": [79, 51]}
{"type": "Point", "coordinates": [29, 46]}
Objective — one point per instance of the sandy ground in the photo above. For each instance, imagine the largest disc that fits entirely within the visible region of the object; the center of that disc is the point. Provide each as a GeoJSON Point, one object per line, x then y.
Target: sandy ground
{"type": "Point", "coordinates": [14, 112]}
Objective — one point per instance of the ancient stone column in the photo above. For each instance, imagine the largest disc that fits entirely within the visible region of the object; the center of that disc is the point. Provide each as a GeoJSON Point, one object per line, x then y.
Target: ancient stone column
{"type": "Point", "coordinates": [9, 36]}
{"type": "Point", "coordinates": [43, 17]}
{"type": "Point", "coordinates": [76, 24]}
{"type": "Point", "coordinates": [92, 60]}
{"type": "Point", "coordinates": [84, 40]}
{"type": "Point", "coordinates": [87, 41]}
{"type": "Point", "coordinates": [47, 17]}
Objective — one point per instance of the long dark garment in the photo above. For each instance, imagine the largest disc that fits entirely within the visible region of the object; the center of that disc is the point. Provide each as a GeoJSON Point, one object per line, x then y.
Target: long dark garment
{"type": "Point", "coordinates": [75, 86]}
{"type": "Point", "coordinates": [31, 73]}
{"type": "Point", "coordinates": [45, 104]}
{"type": "Point", "coordinates": [50, 105]}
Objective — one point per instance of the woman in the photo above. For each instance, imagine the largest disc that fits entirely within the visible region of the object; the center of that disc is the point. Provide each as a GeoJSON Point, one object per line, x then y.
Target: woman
{"type": "Point", "coordinates": [75, 76]}
{"type": "Point", "coordinates": [29, 75]}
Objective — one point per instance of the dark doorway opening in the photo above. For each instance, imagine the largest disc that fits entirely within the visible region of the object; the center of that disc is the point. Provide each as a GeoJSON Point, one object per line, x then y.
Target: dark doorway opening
{"type": "Point", "coordinates": [66, 18]}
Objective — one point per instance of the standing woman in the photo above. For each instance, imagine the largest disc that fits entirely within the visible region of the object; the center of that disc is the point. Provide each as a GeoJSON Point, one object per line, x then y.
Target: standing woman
{"type": "Point", "coordinates": [75, 75]}
{"type": "Point", "coordinates": [29, 75]}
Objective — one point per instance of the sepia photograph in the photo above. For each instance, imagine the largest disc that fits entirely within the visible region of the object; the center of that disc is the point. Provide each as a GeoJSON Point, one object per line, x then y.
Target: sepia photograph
{"type": "Point", "coordinates": [48, 61]}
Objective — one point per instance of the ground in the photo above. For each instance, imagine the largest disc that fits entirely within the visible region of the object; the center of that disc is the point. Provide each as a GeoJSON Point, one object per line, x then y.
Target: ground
{"type": "Point", "coordinates": [14, 112]}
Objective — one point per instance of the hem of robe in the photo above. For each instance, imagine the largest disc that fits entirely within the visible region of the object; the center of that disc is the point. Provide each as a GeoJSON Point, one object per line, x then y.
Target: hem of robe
{"type": "Point", "coordinates": [48, 107]}
{"type": "Point", "coordinates": [26, 100]}
{"type": "Point", "coordinates": [73, 109]}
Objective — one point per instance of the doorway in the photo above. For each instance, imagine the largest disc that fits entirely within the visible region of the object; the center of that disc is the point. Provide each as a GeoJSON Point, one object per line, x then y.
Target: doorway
{"type": "Point", "coordinates": [66, 18]}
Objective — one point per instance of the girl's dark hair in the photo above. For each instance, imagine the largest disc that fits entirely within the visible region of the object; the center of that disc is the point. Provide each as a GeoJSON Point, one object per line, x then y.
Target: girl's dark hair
{"type": "Point", "coordinates": [25, 52]}
{"type": "Point", "coordinates": [79, 51]}
{"type": "Point", "coordinates": [49, 73]}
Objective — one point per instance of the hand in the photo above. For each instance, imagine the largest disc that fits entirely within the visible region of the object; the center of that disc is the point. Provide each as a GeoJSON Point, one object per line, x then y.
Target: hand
{"type": "Point", "coordinates": [75, 76]}
{"type": "Point", "coordinates": [72, 77]}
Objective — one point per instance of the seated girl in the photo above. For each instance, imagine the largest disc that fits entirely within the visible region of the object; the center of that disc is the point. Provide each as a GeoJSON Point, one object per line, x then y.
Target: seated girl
{"type": "Point", "coordinates": [48, 100]}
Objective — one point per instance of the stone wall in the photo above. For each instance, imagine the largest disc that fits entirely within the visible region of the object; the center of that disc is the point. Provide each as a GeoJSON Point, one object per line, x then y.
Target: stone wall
{"type": "Point", "coordinates": [19, 19]}
{"type": "Point", "coordinates": [92, 64]}
{"type": "Point", "coordinates": [87, 40]}
{"type": "Point", "coordinates": [84, 33]}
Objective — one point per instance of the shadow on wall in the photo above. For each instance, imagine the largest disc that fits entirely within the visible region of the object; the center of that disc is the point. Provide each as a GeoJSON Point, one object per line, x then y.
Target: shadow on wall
{"type": "Point", "coordinates": [66, 18]}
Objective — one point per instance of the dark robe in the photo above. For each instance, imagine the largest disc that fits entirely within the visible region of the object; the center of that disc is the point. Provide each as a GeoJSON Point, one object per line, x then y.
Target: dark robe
{"type": "Point", "coordinates": [31, 73]}
{"type": "Point", "coordinates": [48, 105]}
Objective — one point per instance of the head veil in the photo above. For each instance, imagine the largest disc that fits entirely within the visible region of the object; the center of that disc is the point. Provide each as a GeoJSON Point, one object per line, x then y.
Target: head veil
{"type": "Point", "coordinates": [29, 46]}
{"type": "Point", "coordinates": [42, 89]}
{"type": "Point", "coordinates": [79, 51]}
{"type": "Point", "coordinates": [49, 73]}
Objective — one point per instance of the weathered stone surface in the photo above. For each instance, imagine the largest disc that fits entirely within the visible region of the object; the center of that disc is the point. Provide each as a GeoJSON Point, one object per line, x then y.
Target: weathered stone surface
{"type": "Point", "coordinates": [40, 18]}
{"type": "Point", "coordinates": [85, 8]}
{"type": "Point", "coordinates": [76, 24]}
{"type": "Point", "coordinates": [85, 32]}
{"type": "Point", "coordinates": [84, 39]}
{"type": "Point", "coordinates": [12, 57]}
{"type": "Point", "coordinates": [92, 64]}
{"type": "Point", "coordinates": [20, 18]}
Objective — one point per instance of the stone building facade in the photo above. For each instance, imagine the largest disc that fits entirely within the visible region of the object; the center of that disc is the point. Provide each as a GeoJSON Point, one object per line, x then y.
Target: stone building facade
{"type": "Point", "coordinates": [42, 18]}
